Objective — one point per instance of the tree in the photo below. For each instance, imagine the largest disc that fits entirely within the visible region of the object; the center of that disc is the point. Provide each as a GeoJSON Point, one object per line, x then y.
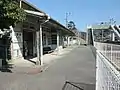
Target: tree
{"type": "Point", "coordinates": [10, 15]}
{"type": "Point", "coordinates": [71, 25]}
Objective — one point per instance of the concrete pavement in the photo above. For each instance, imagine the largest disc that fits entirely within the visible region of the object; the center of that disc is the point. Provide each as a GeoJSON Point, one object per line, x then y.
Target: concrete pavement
{"type": "Point", "coordinates": [77, 66]}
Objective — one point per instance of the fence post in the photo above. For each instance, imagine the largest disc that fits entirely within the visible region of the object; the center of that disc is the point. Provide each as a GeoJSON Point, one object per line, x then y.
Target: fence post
{"type": "Point", "coordinates": [105, 49]}
{"type": "Point", "coordinates": [97, 72]}
{"type": "Point", "coordinates": [111, 53]}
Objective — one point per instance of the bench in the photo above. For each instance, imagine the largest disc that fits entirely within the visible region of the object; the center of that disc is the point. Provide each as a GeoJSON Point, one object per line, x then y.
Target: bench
{"type": "Point", "coordinates": [47, 50]}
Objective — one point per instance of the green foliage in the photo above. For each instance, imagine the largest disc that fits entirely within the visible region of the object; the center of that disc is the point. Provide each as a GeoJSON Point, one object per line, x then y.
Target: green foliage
{"type": "Point", "coordinates": [71, 25]}
{"type": "Point", "coordinates": [10, 13]}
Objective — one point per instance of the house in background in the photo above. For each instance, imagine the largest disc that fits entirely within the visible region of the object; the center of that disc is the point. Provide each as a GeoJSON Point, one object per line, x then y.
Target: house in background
{"type": "Point", "coordinates": [104, 33]}
{"type": "Point", "coordinates": [36, 34]}
{"type": "Point", "coordinates": [78, 38]}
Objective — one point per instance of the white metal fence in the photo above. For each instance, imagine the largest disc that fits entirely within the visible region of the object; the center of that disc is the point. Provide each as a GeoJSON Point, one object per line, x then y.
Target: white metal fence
{"type": "Point", "coordinates": [108, 66]}
{"type": "Point", "coordinates": [107, 77]}
{"type": "Point", "coordinates": [111, 52]}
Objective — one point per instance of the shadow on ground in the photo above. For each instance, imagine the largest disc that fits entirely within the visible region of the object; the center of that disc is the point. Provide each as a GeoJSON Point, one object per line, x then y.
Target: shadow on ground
{"type": "Point", "coordinates": [6, 68]}
{"type": "Point", "coordinates": [29, 59]}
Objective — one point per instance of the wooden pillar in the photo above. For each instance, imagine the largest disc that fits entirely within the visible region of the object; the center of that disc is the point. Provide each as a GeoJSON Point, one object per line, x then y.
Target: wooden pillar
{"type": "Point", "coordinates": [40, 46]}
{"type": "Point", "coordinates": [63, 41]}
{"type": "Point", "coordinates": [46, 39]}
{"type": "Point", "coordinates": [20, 4]}
{"type": "Point", "coordinates": [113, 36]}
{"type": "Point", "coordinates": [93, 39]}
{"type": "Point", "coordinates": [71, 40]}
{"type": "Point", "coordinates": [68, 40]}
{"type": "Point", "coordinates": [38, 53]}
{"type": "Point", "coordinates": [58, 39]}
{"type": "Point", "coordinates": [34, 43]}
{"type": "Point", "coordinates": [87, 36]}
{"type": "Point", "coordinates": [12, 35]}
{"type": "Point", "coordinates": [79, 38]}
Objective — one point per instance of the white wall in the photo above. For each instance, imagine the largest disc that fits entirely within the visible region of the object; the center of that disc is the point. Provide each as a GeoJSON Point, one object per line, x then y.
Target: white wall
{"type": "Point", "coordinates": [54, 47]}
{"type": "Point", "coordinates": [60, 48]}
{"type": "Point", "coordinates": [17, 36]}
{"type": "Point", "coordinates": [17, 42]}
{"type": "Point", "coordinates": [74, 41]}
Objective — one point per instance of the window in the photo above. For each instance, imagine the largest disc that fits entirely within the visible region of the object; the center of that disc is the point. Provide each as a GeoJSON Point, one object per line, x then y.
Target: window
{"type": "Point", "coordinates": [54, 39]}
{"type": "Point", "coordinates": [44, 39]}
{"type": "Point", "coordinates": [49, 39]}
{"type": "Point", "coordinates": [18, 36]}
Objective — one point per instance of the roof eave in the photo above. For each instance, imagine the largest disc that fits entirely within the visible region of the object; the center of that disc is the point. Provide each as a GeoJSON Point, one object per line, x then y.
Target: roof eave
{"type": "Point", "coordinates": [63, 27]}
{"type": "Point", "coordinates": [25, 1]}
{"type": "Point", "coordinates": [98, 27]}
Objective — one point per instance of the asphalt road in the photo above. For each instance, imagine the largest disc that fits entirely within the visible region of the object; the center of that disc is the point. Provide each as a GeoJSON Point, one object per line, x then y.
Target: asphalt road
{"type": "Point", "coordinates": [78, 66]}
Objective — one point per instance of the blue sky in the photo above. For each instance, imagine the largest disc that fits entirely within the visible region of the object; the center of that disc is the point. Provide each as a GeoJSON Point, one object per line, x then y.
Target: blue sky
{"type": "Point", "coordinates": [83, 12]}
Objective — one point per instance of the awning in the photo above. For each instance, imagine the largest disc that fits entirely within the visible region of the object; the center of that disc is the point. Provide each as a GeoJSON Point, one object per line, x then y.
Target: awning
{"type": "Point", "coordinates": [47, 17]}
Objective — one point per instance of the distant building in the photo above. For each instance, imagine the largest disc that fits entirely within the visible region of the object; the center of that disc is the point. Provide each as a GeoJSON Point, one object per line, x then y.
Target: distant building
{"type": "Point", "coordinates": [103, 33]}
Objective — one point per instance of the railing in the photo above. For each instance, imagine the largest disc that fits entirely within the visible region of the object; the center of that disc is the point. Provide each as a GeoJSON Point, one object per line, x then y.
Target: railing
{"type": "Point", "coordinates": [71, 86]}
{"type": "Point", "coordinates": [108, 66]}
{"type": "Point", "coordinates": [107, 77]}
{"type": "Point", "coordinates": [111, 52]}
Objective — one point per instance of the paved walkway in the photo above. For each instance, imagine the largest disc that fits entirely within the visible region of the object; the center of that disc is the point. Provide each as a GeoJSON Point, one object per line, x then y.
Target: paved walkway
{"type": "Point", "coordinates": [77, 66]}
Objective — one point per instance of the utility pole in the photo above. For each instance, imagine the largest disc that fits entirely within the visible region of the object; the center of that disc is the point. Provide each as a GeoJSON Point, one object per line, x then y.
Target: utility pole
{"type": "Point", "coordinates": [66, 18]}
{"type": "Point", "coordinates": [66, 22]}
{"type": "Point", "coordinates": [112, 21]}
